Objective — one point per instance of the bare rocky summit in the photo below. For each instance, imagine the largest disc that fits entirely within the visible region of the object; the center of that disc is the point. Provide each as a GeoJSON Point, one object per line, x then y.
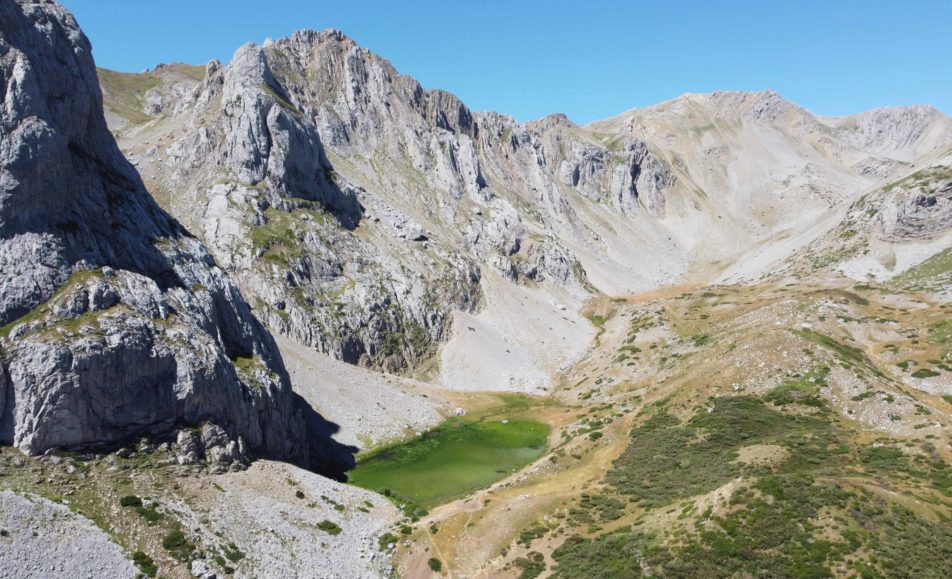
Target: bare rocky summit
{"type": "Point", "coordinates": [360, 209]}
{"type": "Point", "coordinates": [902, 133]}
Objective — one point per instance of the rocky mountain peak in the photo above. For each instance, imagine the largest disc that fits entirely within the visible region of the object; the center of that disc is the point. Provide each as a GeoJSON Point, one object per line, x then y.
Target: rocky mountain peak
{"type": "Point", "coordinates": [717, 276]}
{"type": "Point", "coordinates": [552, 121]}
{"type": "Point", "coordinates": [767, 106]}
{"type": "Point", "coordinates": [763, 106]}
{"type": "Point", "coordinates": [308, 38]}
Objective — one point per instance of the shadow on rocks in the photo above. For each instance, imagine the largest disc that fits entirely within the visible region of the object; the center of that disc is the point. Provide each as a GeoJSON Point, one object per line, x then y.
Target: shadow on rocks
{"type": "Point", "coordinates": [327, 456]}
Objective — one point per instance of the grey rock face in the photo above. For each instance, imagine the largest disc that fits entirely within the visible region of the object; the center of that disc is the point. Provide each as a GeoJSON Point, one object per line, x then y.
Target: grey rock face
{"type": "Point", "coordinates": [630, 179]}
{"type": "Point", "coordinates": [259, 184]}
{"type": "Point", "coordinates": [898, 219]}
{"type": "Point", "coordinates": [919, 207]}
{"type": "Point", "coordinates": [211, 444]}
{"type": "Point", "coordinates": [266, 139]}
{"type": "Point", "coordinates": [358, 209]}
{"type": "Point", "coordinates": [914, 208]}
{"type": "Point", "coordinates": [117, 320]}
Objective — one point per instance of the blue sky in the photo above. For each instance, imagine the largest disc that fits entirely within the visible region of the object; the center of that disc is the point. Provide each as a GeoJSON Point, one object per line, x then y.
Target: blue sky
{"type": "Point", "coordinates": [589, 59]}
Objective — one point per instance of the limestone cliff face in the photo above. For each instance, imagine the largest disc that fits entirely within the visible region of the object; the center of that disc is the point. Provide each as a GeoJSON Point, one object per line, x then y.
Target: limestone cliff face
{"type": "Point", "coordinates": [117, 322]}
{"type": "Point", "coordinates": [898, 133]}
{"type": "Point", "coordinates": [919, 207]}
{"type": "Point", "coordinates": [358, 210]}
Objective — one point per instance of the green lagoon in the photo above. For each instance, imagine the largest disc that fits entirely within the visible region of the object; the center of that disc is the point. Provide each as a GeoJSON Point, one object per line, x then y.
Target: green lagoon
{"type": "Point", "coordinates": [452, 460]}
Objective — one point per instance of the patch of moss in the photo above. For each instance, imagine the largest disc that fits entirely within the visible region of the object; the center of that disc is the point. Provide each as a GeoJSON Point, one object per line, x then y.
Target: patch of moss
{"type": "Point", "coordinates": [934, 272]}
{"type": "Point", "coordinates": [527, 536]}
{"type": "Point", "coordinates": [177, 545]}
{"type": "Point", "coordinates": [532, 565]}
{"type": "Point", "coordinates": [606, 507]}
{"type": "Point", "coordinates": [941, 333]}
{"type": "Point", "coordinates": [386, 541]}
{"type": "Point", "coordinates": [329, 527]}
{"type": "Point", "coordinates": [233, 553]}
{"type": "Point", "coordinates": [435, 564]}
{"type": "Point", "coordinates": [150, 515]}
{"type": "Point", "coordinates": [130, 501]}
{"type": "Point", "coordinates": [843, 351]}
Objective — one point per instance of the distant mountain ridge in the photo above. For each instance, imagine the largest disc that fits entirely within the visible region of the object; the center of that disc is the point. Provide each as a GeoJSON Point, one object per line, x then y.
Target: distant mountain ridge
{"type": "Point", "coordinates": [675, 192]}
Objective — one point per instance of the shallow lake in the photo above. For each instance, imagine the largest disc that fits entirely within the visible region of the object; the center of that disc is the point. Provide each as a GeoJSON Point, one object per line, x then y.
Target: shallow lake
{"type": "Point", "coordinates": [452, 460]}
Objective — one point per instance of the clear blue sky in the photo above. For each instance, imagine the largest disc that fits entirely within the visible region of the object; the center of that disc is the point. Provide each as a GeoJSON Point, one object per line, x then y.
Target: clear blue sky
{"type": "Point", "coordinates": [589, 59]}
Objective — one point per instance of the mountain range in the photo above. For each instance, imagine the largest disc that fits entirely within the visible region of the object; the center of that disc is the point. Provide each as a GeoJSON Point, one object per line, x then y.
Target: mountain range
{"type": "Point", "coordinates": [244, 273]}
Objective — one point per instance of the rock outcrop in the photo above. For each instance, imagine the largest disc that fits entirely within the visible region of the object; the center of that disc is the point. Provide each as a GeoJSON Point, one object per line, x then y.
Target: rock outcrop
{"type": "Point", "coordinates": [919, 207]}
{"type": "Point", "coordinates": [116, 321]}
{"type": "Point", "coordinates": [890, 229]}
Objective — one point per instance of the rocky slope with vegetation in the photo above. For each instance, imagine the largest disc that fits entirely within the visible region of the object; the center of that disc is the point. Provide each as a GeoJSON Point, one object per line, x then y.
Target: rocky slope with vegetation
{"type": "Point", "coordinates": [889, 230]}
{"type": "Point", "coordinates": [731, 315]}
{"type": "Point", "coordinates": [786, 429]}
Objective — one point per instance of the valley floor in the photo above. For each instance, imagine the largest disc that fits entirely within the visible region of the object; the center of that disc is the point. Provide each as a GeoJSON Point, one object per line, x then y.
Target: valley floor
{"type": "Point", "coordinates": [791, 428]}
